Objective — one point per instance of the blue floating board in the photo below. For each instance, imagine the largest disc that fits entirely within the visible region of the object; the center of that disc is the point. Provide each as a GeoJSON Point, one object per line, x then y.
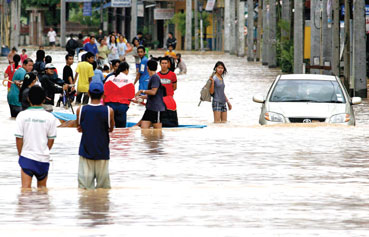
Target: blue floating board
{"type": "Point", "coordinates": [69, 117]}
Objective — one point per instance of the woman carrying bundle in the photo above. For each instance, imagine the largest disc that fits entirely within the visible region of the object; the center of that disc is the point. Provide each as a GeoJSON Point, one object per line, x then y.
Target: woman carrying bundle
{"type": "Point", "coordinates": [220, 100]}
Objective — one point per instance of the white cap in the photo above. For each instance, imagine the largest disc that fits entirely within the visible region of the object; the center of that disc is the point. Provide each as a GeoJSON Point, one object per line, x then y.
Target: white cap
{"type": "Point", "coordinates": [50, 66]}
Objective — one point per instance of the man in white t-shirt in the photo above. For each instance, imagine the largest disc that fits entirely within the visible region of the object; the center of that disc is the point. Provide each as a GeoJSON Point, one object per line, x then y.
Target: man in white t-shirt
{"type": "Point", "coordinates": [52, 37]}
{"type": "Point", "coordinates": [35, 134]}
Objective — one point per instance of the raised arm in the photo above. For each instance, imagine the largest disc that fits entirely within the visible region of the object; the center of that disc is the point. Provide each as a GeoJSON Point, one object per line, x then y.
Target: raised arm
{"type": "Point", "coordinates": [212, 86]}
{"type": "Point", "coordinates": [129, 48]}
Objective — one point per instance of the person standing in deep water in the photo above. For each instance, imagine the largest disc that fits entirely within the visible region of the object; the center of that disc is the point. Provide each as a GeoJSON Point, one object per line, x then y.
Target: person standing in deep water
{"type": "Point", "coordinates": [154, 95]}
{"type": "Point", "coordinates": [35, 134]}
{"type": "Point", "coordinates": [13, 95]}
{"type": "Point", "coordinates": [143, 75]}
{"type": "Point", "coordinates": [220, 100]}
{"type": "Point", "coordinates": [169, 81]}
{"type": "Point", "coordinates": [119, 91]}
{"type": "Point", "coordinates": [94, 121]}
{"type": "Point", "coordinates": [10, 70]}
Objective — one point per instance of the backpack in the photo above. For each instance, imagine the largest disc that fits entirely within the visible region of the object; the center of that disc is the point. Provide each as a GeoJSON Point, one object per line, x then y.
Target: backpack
{"type": "Point", "coordinates": [39, 66]}
{"type": "Point", "coordinates": [205, 92]}
{"type": "Point", "coordinates": [71, 45]}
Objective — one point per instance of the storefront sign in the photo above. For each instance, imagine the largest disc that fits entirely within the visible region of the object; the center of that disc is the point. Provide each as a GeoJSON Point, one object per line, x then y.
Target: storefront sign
{"type": "Point", "coordinates": [121, 3]}
{"type": "Point", "coordinates": [140, 10]}
{"type": "Point", "coordinates": [163, 13]}
{"type": "Point", "coordinates": [210, 5]}
{"type": "Point", "coordinates": [87, 9]}
{"type": "Point", "coordinates": [366, 16]}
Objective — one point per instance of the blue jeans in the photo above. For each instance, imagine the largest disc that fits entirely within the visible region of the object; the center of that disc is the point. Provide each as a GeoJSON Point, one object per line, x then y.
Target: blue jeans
{"type": "Point", "coordinates": [120, 113]}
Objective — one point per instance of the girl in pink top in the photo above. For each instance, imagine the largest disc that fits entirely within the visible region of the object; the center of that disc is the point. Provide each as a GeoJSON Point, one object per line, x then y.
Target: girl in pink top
{"type": "Point", "coordinates": [23, 56]}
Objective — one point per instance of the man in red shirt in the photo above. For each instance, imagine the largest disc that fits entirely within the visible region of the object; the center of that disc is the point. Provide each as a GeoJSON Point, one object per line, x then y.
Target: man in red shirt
{"type": "Point", "coordinates": [168, 79]}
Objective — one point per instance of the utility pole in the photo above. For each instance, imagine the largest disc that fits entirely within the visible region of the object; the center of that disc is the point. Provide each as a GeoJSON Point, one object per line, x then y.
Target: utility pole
{"type": "Point", "coordinates": [327, 36]}
{"type": "Point", "coordinates": [1, 22]}
{"type": "Point", "coordinates": [259, 30]}
{"type": "Point", "coordinates": [227, 26]}
{"type": "Point", "coordinates": [359, 54]}
{"type": "Point", "coordinates": [15, 23]}
{"type": "Point", "coordinates": [241, 24]}
{"type": "Point", "coordinates": [133, 27]}
{"type": "Point", "coordinates": [286, 17]}
{"type": "Point", "coordinates": [188, 37]}
{"type": "Point", "coordinates": [102, 15]}
{"type": "Point", "coordinates": [346, 57]}
{"type": "Point", "coordinates": [272, 49]}
{"type": "Point", "coordinates": [264, 56]}
{"type": "Point", "coordinates": [232, 38]}
{"type": "Point", "coordinates": [201, 29]}
{"type": "Point", "coordinates": [250, 30]}
{"type": "Point", "coordinates": [62, 23]}
{"type": "Point", "coordinates": [196, 16]}
{"type": "Point", "coordinates": [315, 24]}
{"type": "Point", "coordinates": [336, 38]}
{"type": "Point", "coordinates": [298, 37]}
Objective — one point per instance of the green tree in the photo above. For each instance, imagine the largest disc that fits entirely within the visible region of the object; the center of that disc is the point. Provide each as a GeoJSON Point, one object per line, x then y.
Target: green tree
{"type": "Point", "coordinates": [179, 19]}
{"type": "Point", "coordinates": [76, 15]}
{"type": "Point", "coordinates": [52, 15]}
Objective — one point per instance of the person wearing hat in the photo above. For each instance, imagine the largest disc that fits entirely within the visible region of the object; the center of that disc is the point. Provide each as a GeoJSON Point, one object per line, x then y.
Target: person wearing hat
{"type": "Point", "coordinates": [51, 86]}
{"type": "Point", "coordinates": [94, 121]}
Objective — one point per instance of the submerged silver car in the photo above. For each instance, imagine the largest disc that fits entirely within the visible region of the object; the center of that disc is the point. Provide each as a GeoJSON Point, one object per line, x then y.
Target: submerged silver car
{"type": "Point", "coordinates": [307, 98]}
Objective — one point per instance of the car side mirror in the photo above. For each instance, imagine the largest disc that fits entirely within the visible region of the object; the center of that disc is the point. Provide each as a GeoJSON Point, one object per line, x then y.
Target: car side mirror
{"type": "Point", "coordinates": [356, 100]}
{"type": "Point", "coordinates": [258, 99]}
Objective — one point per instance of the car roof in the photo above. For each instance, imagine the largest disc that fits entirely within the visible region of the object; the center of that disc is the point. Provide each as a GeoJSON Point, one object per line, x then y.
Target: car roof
{"type": "Point", "coordinates": [308, 77]}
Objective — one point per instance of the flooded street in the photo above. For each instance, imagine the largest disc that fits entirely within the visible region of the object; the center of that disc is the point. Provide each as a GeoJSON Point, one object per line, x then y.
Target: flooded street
{"type": "Point", "coordinates": [234, 179]}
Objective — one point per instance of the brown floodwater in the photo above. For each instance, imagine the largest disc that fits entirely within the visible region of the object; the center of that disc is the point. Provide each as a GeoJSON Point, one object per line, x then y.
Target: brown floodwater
{"type": "Point", "coordinates": [234, 179]}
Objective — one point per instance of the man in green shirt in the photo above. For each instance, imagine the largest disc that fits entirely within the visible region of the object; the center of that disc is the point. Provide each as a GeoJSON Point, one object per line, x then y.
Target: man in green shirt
{"type": "Point", "coordinates": [13, 95]}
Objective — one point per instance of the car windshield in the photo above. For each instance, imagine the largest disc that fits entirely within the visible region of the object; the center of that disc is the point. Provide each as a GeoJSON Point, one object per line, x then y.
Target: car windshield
{"type": "Point", "coordinates": [316, 91]}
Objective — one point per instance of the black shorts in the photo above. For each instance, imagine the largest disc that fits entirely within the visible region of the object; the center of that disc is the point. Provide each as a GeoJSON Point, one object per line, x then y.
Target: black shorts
{"type": "Point", "coordinates": [152, 116]}
{"type": "Point", "coordinates": [169, 118]}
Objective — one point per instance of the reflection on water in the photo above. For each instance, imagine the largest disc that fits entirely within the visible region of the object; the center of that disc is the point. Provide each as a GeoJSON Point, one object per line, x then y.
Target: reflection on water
{"type": "Point", "coordinates": [153, 139]}
{"type": "Point", "coordinates": [94, 207]}
{"type": "Point", "coordinates": [234, 179]}
{"type": "Point", "coordinates": [34, 205]}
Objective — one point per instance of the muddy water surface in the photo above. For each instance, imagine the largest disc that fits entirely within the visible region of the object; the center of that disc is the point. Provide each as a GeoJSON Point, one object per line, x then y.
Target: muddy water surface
{"type": "Point", "coordinates": [235, 179]}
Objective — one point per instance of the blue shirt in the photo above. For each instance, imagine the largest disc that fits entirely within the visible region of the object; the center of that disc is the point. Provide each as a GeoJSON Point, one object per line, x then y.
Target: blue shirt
{"type": "Point", "coordinates": [144, 74]}
{"type": "Point", "coordinates": [13, 95]}
{"type": "Point", "coordinates": [91, 48]}
{"type": "Point", "coordinates": [94, 121]}
{"type": "Point", "coordinates": [99, 76]}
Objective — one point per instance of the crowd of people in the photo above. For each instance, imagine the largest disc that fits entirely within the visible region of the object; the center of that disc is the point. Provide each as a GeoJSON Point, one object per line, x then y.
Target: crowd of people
{"type": "Point", "coordinates": [103, 89]}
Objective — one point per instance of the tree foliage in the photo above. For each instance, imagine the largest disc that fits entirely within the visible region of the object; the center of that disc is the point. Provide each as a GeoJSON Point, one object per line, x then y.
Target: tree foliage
{"type": "Point", "coordinates": [52, 15]}
{"type": "Point", "coordinates": [40, 3]}
{"type": "Point", "coordinates": [76, 15]}
{"type": "Point", "coordinates": [179, 19]}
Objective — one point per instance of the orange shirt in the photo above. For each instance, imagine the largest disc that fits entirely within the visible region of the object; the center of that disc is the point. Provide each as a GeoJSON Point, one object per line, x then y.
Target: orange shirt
{"type": "Point", "coordinates": [170, 54]}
